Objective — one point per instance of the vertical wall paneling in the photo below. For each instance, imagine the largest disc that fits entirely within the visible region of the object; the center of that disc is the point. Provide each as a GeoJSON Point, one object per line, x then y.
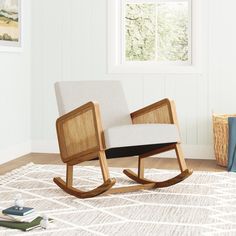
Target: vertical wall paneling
{"type": "Point", "coordinates": [74, 47]}
{"type": "Point", "coordinates": [52, 61]}
{"type": "Point", "coordinates": [66, 40]}
{"type": "Point", "coordinates": [15, 93]}
{"type": "Point", "coordinates": [153, 89]}
{"type": "Point", "coordinates": [38, 71]}
{"type": "Point", "coordinates": [81, 38]}
{"type": "Point", "coordinates": [135, 98]}
{"type": "Point", "coordinates": [202, 108]}
{"type": "Point", "coordinates": [98, 36]}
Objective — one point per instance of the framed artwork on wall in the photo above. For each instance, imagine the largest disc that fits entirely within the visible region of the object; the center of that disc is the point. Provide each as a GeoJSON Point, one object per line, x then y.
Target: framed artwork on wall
{"type": "Point", "coordinates": [10, 23]}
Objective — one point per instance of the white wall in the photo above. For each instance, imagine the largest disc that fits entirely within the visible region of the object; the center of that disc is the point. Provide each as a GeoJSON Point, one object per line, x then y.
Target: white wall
{"type": "Point", "coordinates": [222, 58]}
{"type": "Point", "coordinates": [15, 70]}
{"type": "Point", "coordinates": [70, 43]}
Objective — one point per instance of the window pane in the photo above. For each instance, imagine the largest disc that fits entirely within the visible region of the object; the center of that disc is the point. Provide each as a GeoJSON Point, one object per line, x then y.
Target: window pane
{"type": "Point", "coordinates": [140, 32]}
{"type": "Point", "coordinates": [172, 31]}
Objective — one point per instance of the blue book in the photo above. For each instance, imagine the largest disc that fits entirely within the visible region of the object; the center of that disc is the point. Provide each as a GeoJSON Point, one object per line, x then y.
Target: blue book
{"type": "Point", "coordinates": [18, 212]}
{"type": "Point", "coordinates": [232, 144]}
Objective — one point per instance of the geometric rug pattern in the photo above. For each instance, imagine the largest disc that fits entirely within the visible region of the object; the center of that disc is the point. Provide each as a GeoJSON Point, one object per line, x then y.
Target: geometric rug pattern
{"type": "Point", "coordinates": [203, 204]}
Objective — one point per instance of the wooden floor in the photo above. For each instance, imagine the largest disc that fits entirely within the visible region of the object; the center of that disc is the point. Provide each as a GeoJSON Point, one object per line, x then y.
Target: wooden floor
{"type": "Point", "coordinates": [162, 163]}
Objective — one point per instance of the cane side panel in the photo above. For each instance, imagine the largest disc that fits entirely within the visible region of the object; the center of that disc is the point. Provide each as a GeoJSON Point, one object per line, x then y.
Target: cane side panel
{"type": "Point", "coordinates": [159, 112]}
{"type": "Point", "coordinates": [78, 134]}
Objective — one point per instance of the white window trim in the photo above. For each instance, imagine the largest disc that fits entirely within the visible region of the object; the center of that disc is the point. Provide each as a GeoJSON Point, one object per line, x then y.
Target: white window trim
{"type": "Point", "coordinates": [115, 65]}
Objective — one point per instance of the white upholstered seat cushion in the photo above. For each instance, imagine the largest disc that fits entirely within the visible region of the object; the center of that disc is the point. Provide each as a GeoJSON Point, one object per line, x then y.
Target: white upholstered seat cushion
{"type": "Point", "coordinates": [141, 134]}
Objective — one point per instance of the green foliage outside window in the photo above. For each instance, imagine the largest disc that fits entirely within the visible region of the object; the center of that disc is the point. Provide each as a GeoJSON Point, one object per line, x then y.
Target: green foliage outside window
{"type": "Point", "coordinates": [140, 32]}
{"type": "Point", "coordinates": [157, 32]}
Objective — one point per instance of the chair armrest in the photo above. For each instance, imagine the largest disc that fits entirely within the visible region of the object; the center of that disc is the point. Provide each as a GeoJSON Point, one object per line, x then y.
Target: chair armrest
{"type": "Point", "coordinates": [162, 112]}
{"type": "Point", "coordinates": [79, 132]}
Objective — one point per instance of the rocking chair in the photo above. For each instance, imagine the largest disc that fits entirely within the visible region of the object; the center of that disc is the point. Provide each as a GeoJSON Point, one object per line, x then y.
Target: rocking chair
{"type": "Point", "coordinates": [85, 134]}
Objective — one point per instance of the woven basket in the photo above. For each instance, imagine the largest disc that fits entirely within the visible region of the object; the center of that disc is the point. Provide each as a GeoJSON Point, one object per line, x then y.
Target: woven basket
{"type": "Point", "coordinates": [220, 130]}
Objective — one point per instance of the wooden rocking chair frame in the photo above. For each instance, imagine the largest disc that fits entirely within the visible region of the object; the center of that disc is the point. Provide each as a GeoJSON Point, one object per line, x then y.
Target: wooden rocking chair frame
{"type": "Point", "coordinates": [81, 138]}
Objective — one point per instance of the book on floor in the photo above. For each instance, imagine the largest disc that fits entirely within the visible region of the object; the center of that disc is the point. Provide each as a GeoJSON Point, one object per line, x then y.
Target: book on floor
{"type": "Point", "coordinates": [4, 217]}
{"type": "Point", "coordinates": [13, 211]}
{"type": "Point", "coordinates": [26, 218]}
{"type": "Point", "coordinates": [24, 226]}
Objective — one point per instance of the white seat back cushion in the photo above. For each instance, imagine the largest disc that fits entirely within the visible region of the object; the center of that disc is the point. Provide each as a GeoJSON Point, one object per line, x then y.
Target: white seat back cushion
{"type": "Point", "coordinates": [141, 134]}
{"type": "Point", "coordinates": [109, 95]}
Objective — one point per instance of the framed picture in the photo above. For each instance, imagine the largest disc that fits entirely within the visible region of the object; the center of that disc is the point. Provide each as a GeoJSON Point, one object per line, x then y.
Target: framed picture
{"type": "Point", "coordinates": [10, 23]}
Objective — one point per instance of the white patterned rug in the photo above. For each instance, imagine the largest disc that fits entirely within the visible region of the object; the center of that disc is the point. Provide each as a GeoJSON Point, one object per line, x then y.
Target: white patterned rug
{"type": "Point", "coordinates": [204, 204]}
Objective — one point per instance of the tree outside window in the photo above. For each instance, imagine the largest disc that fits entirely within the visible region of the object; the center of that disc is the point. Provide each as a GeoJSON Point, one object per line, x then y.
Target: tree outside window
{"type": "Point", "coordinates": [157, 31]}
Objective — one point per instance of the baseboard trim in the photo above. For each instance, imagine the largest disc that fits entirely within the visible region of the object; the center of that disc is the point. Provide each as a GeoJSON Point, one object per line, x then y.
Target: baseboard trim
{"type": "Point", "coordinates": [15, 151]}
{"type": "Point", "coordinates": [190, 151]}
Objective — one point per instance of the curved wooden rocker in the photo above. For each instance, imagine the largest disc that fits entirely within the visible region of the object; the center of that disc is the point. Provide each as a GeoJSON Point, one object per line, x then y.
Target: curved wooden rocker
{"type": "Point", "coordinates": [84, 194]}
{"type": "Point", "coordinates": [162, 184]}
{"type": "Point", "coordinates": [81, 138]}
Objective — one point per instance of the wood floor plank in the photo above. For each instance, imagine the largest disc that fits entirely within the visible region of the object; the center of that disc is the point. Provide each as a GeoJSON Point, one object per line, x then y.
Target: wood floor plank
{"type": "Point", "coordinates": [127, 162]}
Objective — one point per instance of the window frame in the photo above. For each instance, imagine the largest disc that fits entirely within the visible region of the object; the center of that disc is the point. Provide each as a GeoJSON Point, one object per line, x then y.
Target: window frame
{"type": "Point", "coordinates": [116, 62]}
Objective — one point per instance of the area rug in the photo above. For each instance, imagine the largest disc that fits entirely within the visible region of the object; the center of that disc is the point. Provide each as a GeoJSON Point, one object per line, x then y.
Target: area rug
{"type": "Point", "coordinates": [203, 204]}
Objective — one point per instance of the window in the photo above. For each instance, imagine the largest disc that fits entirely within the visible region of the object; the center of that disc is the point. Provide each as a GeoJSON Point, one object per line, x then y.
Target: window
{"type": "Point", "coordinates": [154, 36]}
{"type": "Point", "coordinates": [157, 31]}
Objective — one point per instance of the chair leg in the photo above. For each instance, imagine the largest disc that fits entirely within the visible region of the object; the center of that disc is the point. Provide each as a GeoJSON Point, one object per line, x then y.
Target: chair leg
{"type": "Point", "coordinates": [103, 165]}
{"type": "Point", "coordinates": [140, 167]}
{"type": "Point", "coordinates": [180, 157]}
{"type": "Point", "coordinates": [67, 185]}
{"type": "Point", "coordinates": [69, 175]}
